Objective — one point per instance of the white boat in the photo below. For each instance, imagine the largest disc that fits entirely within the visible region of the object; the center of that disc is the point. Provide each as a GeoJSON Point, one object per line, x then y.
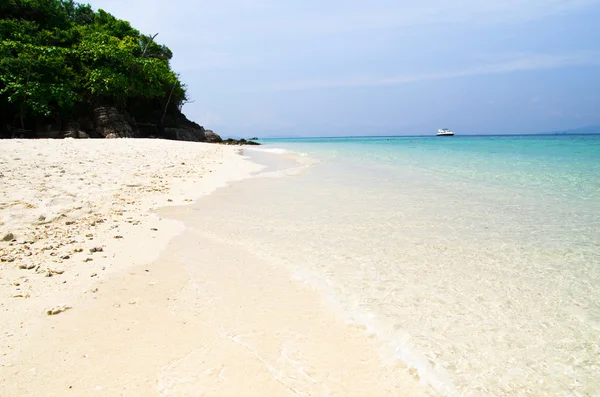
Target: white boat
{"type": "Point", "coordinates": [445, 132]}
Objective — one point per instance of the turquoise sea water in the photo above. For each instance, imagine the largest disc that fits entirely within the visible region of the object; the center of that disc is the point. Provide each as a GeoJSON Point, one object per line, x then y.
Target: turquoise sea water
{"type": "Point", "coordinates": [561, 164]}
{"type": "Point", "coordinates": [475, 261]}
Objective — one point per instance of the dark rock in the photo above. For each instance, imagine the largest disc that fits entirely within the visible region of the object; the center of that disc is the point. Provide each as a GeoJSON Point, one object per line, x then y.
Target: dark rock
{"type": "Point", "coordinates": [132, 123]}
{"type": "Point", "coordinates": [230, 141]}
{"type": "Point", "coordinates": [21, 133]}
{"type": "Point", "coordinates": [109, 122]}
{"type": "Point", "coordinates": [192, 132]}
{"type": "Point", "coordinates": [186, 134]}
{"type": "Point", "coordinates": [73, 130]}
{"type": "Point", "coordinates": [146, 130]}
{"type": "Point", "coordinates": [211, 137]}
{"type": "Point", "coordinates": [87, 124]}
{"type": "Point", "coordinates": [142, 119]}
{"type": "Point", "coordinates": [128, 118]}
{"type": "Point", "coordinates": [48, 131]}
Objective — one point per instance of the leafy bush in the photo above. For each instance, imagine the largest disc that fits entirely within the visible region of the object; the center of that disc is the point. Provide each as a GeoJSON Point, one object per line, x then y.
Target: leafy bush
{"type": "Point", "coordinates": [57, 54]}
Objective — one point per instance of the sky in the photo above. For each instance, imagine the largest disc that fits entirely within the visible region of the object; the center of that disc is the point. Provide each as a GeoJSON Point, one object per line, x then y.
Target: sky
{"type": "Point", "coordinates": [271, 68]}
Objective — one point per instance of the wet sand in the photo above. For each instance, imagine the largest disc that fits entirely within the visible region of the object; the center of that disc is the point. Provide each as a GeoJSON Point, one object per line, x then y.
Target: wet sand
{"type": "Point", "coordinates": [161, 315]}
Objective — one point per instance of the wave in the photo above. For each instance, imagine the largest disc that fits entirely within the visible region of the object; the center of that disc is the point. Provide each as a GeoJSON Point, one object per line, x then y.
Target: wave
{"type": "Point", "coordinates": [276, 150]}
{"type": "Point", "coordinates": [271, 150]}
{"type": "Point", "coordinates": [398, 343]}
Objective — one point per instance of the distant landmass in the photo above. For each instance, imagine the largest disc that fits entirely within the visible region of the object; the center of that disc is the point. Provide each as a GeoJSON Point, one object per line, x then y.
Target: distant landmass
{"type": "Point", "coordinates": [592, 129]}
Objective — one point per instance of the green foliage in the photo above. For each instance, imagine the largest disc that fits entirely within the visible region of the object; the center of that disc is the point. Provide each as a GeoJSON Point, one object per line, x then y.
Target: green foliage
{"type": "Point", "coordinates": [36, 78]}
{"type": "Point", "coordinates": [57, 53]}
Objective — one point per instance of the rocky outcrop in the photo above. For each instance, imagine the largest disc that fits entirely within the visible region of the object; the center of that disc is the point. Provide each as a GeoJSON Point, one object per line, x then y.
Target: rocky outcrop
{"type": "Point", "coordinates": [242, 141]}
{"type": "Point", "coordinates": [147, 130]}
{"type": "Point", "coordinates": [48, 131]}
{"type": "Point", "coordinates": [109, 122]}
{"type": "Point", "coordinates": [211, 137]}
{"type": "Point", "coordinates": [186, 134]}
{"type": "Point", "coordinates": [73, 130]}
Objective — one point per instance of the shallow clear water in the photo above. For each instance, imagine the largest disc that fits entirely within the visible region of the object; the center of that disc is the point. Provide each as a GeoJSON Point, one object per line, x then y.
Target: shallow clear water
{"type": "Point", "coordinates": [474, 260]}
{"type": "Point", "coordinates": [570, 163]}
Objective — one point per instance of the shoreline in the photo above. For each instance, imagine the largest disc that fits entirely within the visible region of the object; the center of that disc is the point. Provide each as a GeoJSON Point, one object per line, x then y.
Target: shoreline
{"type": "Point", "coordinates": [187, 313]}
{"type": "Point", "coordinates": [78, 212]}
{"type": "Point", "coordinates": [460, 291]}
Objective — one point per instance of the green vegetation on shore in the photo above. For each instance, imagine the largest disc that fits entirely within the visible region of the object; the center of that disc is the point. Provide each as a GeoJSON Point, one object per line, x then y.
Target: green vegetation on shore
{"type": "Point", "coordinates": [60, 61]}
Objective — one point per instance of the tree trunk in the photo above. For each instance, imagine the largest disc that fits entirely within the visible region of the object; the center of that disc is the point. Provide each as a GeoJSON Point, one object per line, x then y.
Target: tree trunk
{"type": "Point", "coordinates": [148, 45]}
{"type": "Point", "coordinates": [167, 105]}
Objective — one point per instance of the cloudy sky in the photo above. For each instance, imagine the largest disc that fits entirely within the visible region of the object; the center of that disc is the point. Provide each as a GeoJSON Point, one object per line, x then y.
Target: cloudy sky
{"type": "Point", "coordinates": [383, 67]}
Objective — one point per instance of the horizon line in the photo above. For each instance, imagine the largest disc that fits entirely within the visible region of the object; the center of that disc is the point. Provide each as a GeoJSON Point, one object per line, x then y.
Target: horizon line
{"type": "Point", "coordinates": [429, 135]}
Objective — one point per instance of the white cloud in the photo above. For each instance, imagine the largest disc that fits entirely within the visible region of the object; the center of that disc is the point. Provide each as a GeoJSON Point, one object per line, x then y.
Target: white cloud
{"type": "Point", "coordinates": [232, 17]}
{"type": "Point", "coordinates": [431, 14]}
{"type": "Point", "coordinates": [522, 63]}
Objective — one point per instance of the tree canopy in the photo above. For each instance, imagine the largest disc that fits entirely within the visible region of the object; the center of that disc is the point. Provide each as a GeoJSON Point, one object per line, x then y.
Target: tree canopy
{"type": "Point", "coordinates": [58, 58]}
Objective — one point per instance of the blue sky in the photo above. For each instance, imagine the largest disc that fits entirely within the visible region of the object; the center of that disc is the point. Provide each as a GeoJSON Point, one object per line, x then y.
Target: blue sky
{"type": "Point", "coordinates": [333, 67]}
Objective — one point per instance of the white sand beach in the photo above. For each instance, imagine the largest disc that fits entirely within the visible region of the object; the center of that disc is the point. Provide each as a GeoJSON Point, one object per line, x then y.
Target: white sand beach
{"type": "Point", "coordinates": [101, 296]}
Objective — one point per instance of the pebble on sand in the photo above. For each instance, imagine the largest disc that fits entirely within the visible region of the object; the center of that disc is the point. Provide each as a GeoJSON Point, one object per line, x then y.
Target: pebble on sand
{"type": "Point", "coordinates": [57, 309]}
{"type": "Point", "coordinates": [26, 266]}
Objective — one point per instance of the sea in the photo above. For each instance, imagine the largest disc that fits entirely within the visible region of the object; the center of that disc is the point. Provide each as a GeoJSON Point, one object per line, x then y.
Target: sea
{"type": "Point", "coordinates": [473, 260]}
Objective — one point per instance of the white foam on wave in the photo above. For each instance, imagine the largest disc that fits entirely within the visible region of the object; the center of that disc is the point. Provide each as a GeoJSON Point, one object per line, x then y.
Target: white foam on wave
{"type": "Point", "coordinates": [436, 381]}
{"type": "Point", "coordinates": [277, 150]}
{"type": "Point", "coordinates": [271, 150]}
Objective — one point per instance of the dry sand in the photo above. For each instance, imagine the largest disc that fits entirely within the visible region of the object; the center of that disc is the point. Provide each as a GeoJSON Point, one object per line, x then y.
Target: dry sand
{"type": "Point", "coordinates": [98, 298]}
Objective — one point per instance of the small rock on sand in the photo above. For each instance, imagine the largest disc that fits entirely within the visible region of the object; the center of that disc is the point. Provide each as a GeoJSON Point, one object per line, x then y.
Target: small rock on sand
{"type": "Point", "coordinates": [57, 309]}
{"type": "Point", "coordinates": [8, 237]}
{"type": "Point", "coordinates": [26, 266]}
